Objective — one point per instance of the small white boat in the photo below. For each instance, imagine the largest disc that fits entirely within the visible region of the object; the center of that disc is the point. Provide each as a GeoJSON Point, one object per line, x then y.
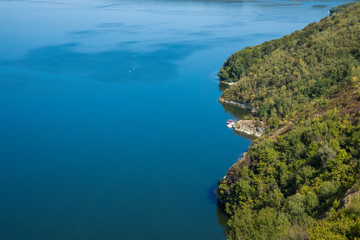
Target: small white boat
{"type": "Point", "coordinates": [230, 123]}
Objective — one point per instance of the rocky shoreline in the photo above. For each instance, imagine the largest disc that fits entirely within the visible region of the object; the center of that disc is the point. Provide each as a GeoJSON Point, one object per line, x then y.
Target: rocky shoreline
{"type": "Point", "coordinates": [238, 104]}
{"type": "Point", "coordinates": [228, 83]}
{"type": "Point", "coordinates": [249, 127]}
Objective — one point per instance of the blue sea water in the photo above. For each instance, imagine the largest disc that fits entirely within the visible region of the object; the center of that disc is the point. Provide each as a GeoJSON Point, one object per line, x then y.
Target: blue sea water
{"type": "Point", "coordinates": [110, 126]}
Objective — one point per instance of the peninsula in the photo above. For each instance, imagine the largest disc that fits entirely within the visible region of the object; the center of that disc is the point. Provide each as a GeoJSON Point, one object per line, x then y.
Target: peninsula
{"type": "Point", "coordinates": [301, 179]}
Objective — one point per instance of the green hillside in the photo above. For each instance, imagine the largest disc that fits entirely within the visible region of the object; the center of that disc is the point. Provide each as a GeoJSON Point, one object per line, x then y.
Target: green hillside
{"type": "Point", "coordinates": [301, 179]}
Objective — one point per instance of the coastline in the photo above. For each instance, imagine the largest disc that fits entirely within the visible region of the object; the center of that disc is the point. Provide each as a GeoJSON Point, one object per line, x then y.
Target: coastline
{"type": "Point", "coordinates": [277, 177]}
{"type": "Point", "coordinates": [238, 104]}
{"type": "Point", "coordinates": [249, 127]}
{"type": "Point", "coordinates": [228, 83]}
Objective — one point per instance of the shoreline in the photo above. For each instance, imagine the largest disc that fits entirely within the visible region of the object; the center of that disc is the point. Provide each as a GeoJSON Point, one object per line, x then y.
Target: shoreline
{"type": "Point", "coordinates": [249, 127]}
{"type": "Point", "coordinates": [238, 104]}
{"type": "Point", "coordinates": [228, 83]}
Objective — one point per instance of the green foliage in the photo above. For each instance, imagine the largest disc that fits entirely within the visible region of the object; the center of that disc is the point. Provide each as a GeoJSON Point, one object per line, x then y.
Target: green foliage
{"type": "Point", "coordinates": [342, 224]}
{"type": "Point", "coordinates": [283, 77]}
{"type": "Point", "coordinates": [264, 224]}
{"type": "Point", "coordinates": [306, 86]}
{"type": "Point", "coordinates": [339, 8]}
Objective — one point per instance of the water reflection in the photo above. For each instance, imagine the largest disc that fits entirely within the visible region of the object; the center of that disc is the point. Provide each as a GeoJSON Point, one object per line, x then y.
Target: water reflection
{"type": "Point", "coordinates": [223, 86]}
{"type": "Point", "coordinates": [222, 217]}
{"type": "Point", "coordinates": [237, 112]}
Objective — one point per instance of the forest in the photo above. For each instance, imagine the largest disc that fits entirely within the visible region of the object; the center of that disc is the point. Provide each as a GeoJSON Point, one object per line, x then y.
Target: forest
{"type": "Point", "coordinates": [301, 179]}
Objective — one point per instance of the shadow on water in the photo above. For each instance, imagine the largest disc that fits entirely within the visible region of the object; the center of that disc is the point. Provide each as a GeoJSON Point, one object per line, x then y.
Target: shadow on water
{"type": "Point", "coordinates": [223, 86]}
{"type": "Point", "coordinates": [237, 112]}
{"type": "Point", "coordinates": [116, 66]}
{"type": "Point", "coordinates": [220, 213]}
{"type": "Point", "coordinates": [211, 193]}
{"type": "Point", "coordinates": [222, 217]}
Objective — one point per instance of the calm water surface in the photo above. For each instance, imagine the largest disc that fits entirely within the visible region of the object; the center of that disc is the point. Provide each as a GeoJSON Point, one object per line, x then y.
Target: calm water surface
{"type": "Point", "coordinates": [109, 122]}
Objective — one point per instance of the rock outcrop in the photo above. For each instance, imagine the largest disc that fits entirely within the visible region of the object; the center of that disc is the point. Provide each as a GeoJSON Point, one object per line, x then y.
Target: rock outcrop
{"type": "Point", "coordinates": [354, 191]}
{"type": "Point", "coordinates": [249, 127]}
{"type": "Point", "coordinates": [239, 104]}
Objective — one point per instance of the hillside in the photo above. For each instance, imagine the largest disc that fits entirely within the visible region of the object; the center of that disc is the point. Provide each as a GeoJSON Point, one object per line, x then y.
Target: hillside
{"type": "Point", "coordinates": [301, 179]}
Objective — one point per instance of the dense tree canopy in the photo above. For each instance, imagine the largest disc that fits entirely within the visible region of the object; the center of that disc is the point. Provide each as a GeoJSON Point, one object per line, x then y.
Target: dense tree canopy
{"type": "Point", "coordinates": [306, 87]}
{"type": "Point", "coordinates": [283, 77]}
